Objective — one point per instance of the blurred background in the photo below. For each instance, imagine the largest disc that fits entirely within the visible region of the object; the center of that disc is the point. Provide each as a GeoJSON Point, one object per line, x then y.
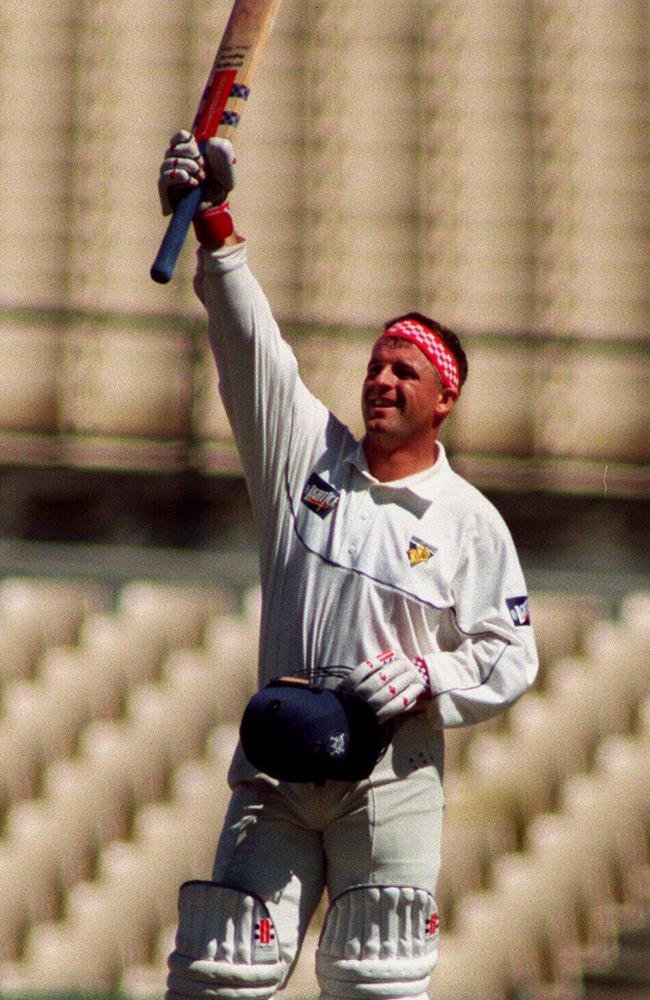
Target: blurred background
{"type": "Point", "coordinates": [483, 161]}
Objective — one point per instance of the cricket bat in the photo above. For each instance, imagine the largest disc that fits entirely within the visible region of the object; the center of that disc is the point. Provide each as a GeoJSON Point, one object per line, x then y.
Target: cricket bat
{"type": "Point", "coordinates": [220, 109]}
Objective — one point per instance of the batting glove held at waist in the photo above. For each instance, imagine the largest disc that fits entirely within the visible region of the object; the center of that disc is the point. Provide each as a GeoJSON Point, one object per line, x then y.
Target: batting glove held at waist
{"type": "Point", "coordinates": [184, 168]}
{"type": "Point", "coordinates": [390, 683]}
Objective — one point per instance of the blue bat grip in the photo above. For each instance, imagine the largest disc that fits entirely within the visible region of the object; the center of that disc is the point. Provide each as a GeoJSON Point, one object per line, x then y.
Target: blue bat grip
{"type": "Point", "coordinates": [163, 266]}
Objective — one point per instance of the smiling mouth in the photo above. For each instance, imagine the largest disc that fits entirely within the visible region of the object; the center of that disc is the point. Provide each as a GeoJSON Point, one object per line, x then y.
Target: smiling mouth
{"type": "Point", "coordinates": [381, 404]}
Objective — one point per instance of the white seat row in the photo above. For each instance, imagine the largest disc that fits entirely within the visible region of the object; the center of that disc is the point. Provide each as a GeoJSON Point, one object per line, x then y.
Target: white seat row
{"type": "Point", "coordinates": [112, 921]}
{"type": "Point", "coordinates": [36, 613]}
{"type": "Point", "coordinates": [554, 910]}
{"type": "Point", "coordinates": [512, 775]}
{"type": "Point", "coordinates": [51, 692]}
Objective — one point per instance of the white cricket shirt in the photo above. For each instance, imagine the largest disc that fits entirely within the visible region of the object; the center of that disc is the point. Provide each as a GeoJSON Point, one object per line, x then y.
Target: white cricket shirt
{"type": "Point", "coordinates": [351, 566]}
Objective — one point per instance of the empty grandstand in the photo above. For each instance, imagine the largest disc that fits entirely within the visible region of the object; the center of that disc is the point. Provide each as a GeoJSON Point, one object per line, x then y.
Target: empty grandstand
{"type": "Point", "coordinates": [492, 170]}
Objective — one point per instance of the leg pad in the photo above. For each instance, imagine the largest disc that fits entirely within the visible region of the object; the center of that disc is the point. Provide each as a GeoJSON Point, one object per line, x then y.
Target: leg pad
{"type": "Point", "coordinates": [226, 946]}
{"type": "Point", "coordinates": [378, 941]}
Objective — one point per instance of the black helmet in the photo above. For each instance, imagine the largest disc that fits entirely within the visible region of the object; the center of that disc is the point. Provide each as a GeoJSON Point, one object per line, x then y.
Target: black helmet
{"type": "Point", "coordinates": [297, 731]}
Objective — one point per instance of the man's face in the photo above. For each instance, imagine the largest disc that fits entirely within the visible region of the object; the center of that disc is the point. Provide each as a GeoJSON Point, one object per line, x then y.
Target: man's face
{"type": "Point", "coordinates": [402, 392]}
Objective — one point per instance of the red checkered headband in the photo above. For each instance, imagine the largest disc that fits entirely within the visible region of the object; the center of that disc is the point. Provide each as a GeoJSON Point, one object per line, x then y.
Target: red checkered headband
{"type": "Point", "coordinates": [432, 346]}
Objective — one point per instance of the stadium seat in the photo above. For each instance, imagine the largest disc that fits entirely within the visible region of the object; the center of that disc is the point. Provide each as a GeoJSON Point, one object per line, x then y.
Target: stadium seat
{"type": "Point", "coordinates": [36, 869]}
{"type": "Point", "coordinates": [608, 828]}
{"type": "Point", "coordinates": [475, 831]}
{"type": "Point", "coordinates": [166, 722]}
{"type": "Point", "coordinates": [623, 764]}
{"type": "Point", "coordinates": [561, 621]}
{"type": "Point", "coordinates": [550, 912]}
{"type": "Point", "coordinates": [131, 649]}
{"type": "Point", "coordinates": [112, 922]}
{"type": "Point", "coordinates": [73, 674]}
{"type": "Point", "coordinates": [644, 719]}
{"type": "Point", "coordinates": [572, 870]}
{"type": "Point", "coordinates": [459, 739]}
{"type": "Point", "coordinates": [549, 736]}
{"type": "Point", "coordinates": [100, 810]}
{"type": "Point", "coordinates": [197, 804]}
{"type": "Point", "coordinates": [618, 654]}
{"type": "Point", "coordinates": [232, 643]}
{"type": "Point", "coordinates": [70, 955]}
{"type": "Point", "coordinates": [27, 895]}
{"type": "Point", "coordinates": [45, 717]}
{"type": "Point", "coordinates": [57, 844]}
{"type": "Point", "coordinates": [220, 746]}
{"type": "Point", "coordinates": [474, 960]}
{"type": "Point", "coordinates": [53, 608]}
{"type": "Point", "coordinates": [22, 763]}
{"type": "Point", "coordinates": [19, 649]}
{"type": "Point", "coordinates": [542, 927]}
{"type": "Point", "coordinates": [147, 980]}
{"type": "Point", "coordinates": [129, 762]}
{"type": "Point", "coordinates": [181, 707]}
{"type": "Point", "coordinates": [179, 611]}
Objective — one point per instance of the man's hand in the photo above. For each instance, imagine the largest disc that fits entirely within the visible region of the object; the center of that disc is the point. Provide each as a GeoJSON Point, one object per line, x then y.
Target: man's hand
{"type": "Point", "coordinates": [184, 168]}
{"type": "Point", "coordinates": [390, 683]}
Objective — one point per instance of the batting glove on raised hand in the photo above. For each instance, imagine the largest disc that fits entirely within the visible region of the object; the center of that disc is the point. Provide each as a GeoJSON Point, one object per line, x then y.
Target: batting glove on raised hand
{"type": "Point", "coordinates": [184, 167]}
{"type": "Point", "coordinates": [390, 683]}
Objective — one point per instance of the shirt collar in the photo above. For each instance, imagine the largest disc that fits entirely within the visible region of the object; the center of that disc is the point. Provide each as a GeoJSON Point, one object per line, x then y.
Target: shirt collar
{"type": "Point", "coordinates": [415, 490]}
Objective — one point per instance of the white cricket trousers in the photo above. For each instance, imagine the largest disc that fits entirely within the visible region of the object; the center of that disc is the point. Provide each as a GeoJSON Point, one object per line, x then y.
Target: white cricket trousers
{"type": "Point", "coordinates": [289, 843]}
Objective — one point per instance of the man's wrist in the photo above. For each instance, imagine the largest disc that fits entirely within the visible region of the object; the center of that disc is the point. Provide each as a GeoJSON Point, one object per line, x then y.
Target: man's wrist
{"type": "Point", "coordinates": [214, 227]}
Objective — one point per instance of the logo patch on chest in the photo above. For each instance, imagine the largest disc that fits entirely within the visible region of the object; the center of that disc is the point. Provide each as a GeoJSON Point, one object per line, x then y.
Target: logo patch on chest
{"type": "Point", "coordinates": [419, 551]}
{"type": "Point", "coordinates": [320, 496]}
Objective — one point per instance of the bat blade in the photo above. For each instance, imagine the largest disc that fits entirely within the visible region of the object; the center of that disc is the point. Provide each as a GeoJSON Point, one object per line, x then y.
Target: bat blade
{"type": "Point", "coordinates": [220, 108]}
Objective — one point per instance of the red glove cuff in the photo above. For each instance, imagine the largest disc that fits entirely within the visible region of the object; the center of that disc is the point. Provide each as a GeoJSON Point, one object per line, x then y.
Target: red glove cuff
{"type": "Point", "coordinates": [214, 225]}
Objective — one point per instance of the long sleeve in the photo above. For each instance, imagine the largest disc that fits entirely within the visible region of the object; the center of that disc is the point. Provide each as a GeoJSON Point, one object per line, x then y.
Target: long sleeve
{"type": "Point", "coordinates": [269, 408]}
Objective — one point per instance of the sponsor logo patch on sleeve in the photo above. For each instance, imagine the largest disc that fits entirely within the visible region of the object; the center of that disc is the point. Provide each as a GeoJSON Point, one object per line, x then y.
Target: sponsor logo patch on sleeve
{"type": "Point", "coordinates": [519, 611]}
{"type": "Point", "coordinates": [320, 496]}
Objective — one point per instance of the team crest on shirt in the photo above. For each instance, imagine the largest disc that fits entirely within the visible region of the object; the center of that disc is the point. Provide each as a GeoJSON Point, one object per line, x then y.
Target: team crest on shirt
{"type": "Point", "coordinates": [419, 552]}
{"type": "Point", "coordinates": [519, 610]}
{"type": "Point", "coordinates": [320, 496]}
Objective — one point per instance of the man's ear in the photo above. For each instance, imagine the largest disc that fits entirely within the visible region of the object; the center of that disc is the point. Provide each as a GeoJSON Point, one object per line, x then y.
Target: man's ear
{"type": "Point", "coordinates": [445, 404]}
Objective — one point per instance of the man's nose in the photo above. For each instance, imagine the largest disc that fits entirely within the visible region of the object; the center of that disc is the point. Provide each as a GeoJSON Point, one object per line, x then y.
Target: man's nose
{"type": "Point", "coordinates": [384, 376]}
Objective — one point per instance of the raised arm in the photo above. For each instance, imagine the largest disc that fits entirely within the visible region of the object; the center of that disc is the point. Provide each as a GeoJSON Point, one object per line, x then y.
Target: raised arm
{"type": "Point", "coordinates": [269, 408]}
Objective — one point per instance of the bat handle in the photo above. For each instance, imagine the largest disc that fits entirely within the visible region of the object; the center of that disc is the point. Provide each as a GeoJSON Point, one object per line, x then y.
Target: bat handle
{"type": "Point", "coordinates": [163, 266]}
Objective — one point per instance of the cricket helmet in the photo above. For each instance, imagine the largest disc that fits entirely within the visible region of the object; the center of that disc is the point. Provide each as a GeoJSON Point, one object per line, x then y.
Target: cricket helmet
{"type": "Point", "coordinates": [295, 730]}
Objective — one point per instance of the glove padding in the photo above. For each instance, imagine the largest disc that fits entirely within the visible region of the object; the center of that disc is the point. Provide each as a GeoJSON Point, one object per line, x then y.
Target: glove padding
{"type": "Point", "coordinates": [390, 683]}
{"type": "Point", "coordinates": [184, 167]}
